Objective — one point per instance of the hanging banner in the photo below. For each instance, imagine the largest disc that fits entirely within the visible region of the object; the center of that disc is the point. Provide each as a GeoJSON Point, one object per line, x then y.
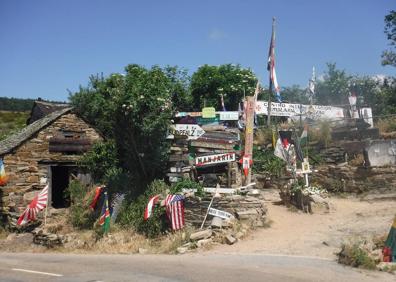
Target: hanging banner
{"type": "Point", "coordinates": [214, 159]}
{"type": "Point", "coordinates": [314, 112]}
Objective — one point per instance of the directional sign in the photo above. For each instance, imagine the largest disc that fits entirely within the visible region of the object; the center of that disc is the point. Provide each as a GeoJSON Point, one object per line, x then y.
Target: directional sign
{"type": "Point", "coordinates": [219, 213]}
{"type": "Point", "coordinates": [208, 112]}
{"type": "Point", "coordinates": [214, 159]}
{"type": "Point", "coordinates": [229, 115]}
{"type": "Point", "coordinates": [191, 131]}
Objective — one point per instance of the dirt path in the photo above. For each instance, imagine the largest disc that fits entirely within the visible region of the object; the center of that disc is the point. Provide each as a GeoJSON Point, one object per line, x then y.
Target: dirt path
{"type": "Point", "coordinates": [320, 235]}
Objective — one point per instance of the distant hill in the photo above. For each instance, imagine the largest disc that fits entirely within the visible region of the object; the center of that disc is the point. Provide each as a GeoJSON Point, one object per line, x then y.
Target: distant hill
{"type": "Point", "coordinates": [11, 122]}
{"type": "Point", "coordinates": [15, 104]}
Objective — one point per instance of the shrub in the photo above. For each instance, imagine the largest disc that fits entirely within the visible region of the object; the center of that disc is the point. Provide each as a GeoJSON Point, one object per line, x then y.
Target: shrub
{"type": "Point", "coordinates": [355, 256]}
{"type": "Point", "coordinates": [80, 215]}
{"type": "Point", "coordinates": [131, 214]}
{"type": "Point", "coordinates": [266, 162]}
{"type": "Point", "coordinates": [187, 184]}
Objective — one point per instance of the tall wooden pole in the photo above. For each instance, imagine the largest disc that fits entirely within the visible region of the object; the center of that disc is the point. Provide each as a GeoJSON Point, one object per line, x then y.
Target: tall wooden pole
{"type": "Point", "coordinates": [270, 68]}
{"type": "Point", "coordinates": [248, 151]}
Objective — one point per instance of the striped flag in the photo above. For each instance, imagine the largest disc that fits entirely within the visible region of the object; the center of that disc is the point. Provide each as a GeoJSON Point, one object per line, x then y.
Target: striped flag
{"type": "Point", "coordinates": [104, 219]}
{"type": "Point", "coordinates": [389, 251]}
{"type": "Point", "coordinates": [3, 176]}
{"type": "Point", "coordinates": [271, 65]}
{"type": "Point", "coordinates": [175, 211]}
{"type": "Point", "coordinates": [150, 206]}
{"type": "Point", "coordinates": [38, 203]}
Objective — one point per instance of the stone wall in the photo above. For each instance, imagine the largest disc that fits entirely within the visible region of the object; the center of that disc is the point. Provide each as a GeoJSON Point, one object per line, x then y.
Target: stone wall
{"type": "Point", "coordinates": [25, 167]}
{"type": "Point", "coordinates": [244, 208]}
{"type": "Point", "coordinates": [346, 178]}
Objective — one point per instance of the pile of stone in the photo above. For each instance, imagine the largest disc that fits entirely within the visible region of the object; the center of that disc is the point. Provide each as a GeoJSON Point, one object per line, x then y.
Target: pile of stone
{"type": "Point", "coordinates": [333, 155]}
{"type": "Point", "coordinates": [247, 209]}
{"type": "Point", "coordinates": [49, 240]}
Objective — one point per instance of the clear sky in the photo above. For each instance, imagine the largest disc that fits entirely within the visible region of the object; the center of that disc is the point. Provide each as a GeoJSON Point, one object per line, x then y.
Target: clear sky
{"type": "Point", "coordinates": [47, 47]}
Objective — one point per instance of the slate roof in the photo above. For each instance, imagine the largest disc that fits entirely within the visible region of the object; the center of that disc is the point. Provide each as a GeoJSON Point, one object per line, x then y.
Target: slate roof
{"type": "Point", "coordinates": [42, 108]}
{"type": "Point", "coordinates": [7, 145]}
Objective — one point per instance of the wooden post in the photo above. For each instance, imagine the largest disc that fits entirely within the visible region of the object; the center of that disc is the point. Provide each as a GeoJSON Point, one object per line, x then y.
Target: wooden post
{"type": "Point", "coordinates": [248, 150]}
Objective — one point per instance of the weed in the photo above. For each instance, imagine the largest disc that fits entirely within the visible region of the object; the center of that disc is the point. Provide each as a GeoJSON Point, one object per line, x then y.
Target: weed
{"type": "Point", "coordinates": [354, 255]}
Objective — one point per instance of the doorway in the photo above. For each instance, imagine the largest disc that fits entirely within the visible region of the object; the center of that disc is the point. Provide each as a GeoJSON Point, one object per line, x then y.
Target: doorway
{"type": "Point", "coordinates": [60, 177]}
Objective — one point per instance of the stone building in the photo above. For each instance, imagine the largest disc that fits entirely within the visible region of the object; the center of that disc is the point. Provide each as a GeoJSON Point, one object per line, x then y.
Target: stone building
{"type": "Point", "coordinates": [45, 151]}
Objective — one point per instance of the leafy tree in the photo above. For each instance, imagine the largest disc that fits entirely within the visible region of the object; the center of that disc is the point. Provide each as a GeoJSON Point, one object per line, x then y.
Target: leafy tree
{"type": "Point", "coordinates": [294, 94]}
{"type": "Point", "coordinates": [334, 88]}
{"type": "Point", "coordinates": [389, 56]}
{"type": "Point", "coordinates": [232, 81]}
{"type": "Point", "coordinates": [135, 110]}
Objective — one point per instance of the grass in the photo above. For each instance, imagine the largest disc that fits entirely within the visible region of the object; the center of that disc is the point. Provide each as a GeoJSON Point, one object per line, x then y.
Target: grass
{"type": "Point", "coordinates": [354, 255]}
{"type": "Point", "coordinates": [11, 122]}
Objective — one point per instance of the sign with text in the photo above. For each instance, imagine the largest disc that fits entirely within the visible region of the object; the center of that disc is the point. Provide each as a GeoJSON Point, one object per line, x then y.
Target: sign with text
{"type": "Point", "coordinates": [214, 159]}
{"type": "Point", "coordinates": [208, 112]}
{"type": "Point", "coordinates": [219, 213]}
{"type": "Point", "coordinates": [229, 115]}
{"type": "Point", "coordinates": [314, 112]}
{"type": "Point", "coordinates": [191, 131]}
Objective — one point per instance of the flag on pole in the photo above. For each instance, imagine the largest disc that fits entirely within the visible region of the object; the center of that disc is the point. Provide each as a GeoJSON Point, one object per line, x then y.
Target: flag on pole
{"type": "Point", "coordinates": [98, 191]}
{"type": "Point", "coordinates": [3, 176]}
{"type": "Point", "coordinates": [304, 135]}
{"type": "Point", "coordinates": [389, 250]}
{"type": "Point", "coordinates": [271, 65]}
{"type": "Point", "coordinates": [104, 219]}
{"type": "Point", "coordinates": [150, 206]}
{"type": "Point", "coordinates": [311, 86]}
{"type": "Point", "coordinates": [38, 203]}
{"type": "Point", "coordinates": [175, 211]}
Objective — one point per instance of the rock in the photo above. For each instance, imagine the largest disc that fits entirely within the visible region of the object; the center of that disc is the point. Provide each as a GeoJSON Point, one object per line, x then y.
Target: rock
{"type": "Point", "coordinates": [230, 239]}
{"type": "Point", "coordinates": [204, 242]}
{"type": "Point", "coordinates": [239, 235]}
{"type": "Point", "coordinates": [217, 222]}
{"type": "Point", "coordinates": [246, 214]}
{"type": "Point", "coordinates": [188, 245]}
{"type": "Point", "coordinates": [181, 250]}
{"type": "Point", "coordinates": [143, 251]}
{"type": "Point", "coordinates": [11, 237]}
{"type": "Point", "coordinates": [201, 235]}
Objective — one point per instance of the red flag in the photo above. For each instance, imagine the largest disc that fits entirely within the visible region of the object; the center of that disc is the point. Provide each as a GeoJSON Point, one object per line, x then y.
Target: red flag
{"type": "Point", "coordinates": [150, 206]}
{"type": "Point", "coordinates": [38, 203]}
{"type": "Point", "coordinates": [98, 191]}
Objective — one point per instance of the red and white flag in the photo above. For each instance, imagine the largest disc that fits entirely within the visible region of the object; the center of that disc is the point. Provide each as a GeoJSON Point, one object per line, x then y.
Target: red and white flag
{"type": "Point", "coordinates": [150, 207]}
{"type": "Point", "coordinates": [38, 203]}
{"type": "Point", "coordinates": [175, 211]}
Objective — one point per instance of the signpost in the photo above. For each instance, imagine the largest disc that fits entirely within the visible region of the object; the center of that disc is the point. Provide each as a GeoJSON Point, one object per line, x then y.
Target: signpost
{"type": "Point", "coordinates": [214, 159]}
{"type": "Point", "coordinates": [248, 151]}
{"type": "Point", "coordinates": [219, 213]}
{"type": "Point", "coordinates": [229, 115]}
{"type": "Point", "coordinates": [208, 112]}
{"type": "Point", "coordinates": [191, 131]}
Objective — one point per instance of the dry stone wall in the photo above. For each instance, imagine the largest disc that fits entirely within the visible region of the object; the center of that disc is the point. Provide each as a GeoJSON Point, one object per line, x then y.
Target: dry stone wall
{"type": "Point", "coordinates": [24, 165]}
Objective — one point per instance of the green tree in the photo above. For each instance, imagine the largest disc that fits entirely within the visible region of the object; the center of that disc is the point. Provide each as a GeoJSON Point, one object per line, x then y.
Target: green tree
{"type": "Point", "coordinates": [294, 94]}
{"type": "Point", "coordinates": [389, 56]}
{"type": "Point", "coordinates": [231, 81]}
{"type": "Point", "coordinates": [134, 110]}
{"type": "Point", "coordinates": [334, 88]}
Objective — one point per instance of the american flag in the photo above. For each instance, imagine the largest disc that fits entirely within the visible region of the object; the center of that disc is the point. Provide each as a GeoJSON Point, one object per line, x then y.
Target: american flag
{"type": "Point", "coordinates": [175, 211]}
{"type": "Point", "coordinates": [38, 203]}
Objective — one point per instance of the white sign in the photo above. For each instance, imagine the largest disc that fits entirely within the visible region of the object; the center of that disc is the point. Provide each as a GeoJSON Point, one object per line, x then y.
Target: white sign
{"type": "Point", "coordinates": [192, 131]}
{"type": "Point", "coordinates": [219, 213]}
{"type": "Point", "coordinates": [219, 190]}
{"type": "Point", "coordinates": [229, 115]}
{"type": "Point", "coordinates": [314, 112]}
{"type": "Point", "coordinates": [214, 159]}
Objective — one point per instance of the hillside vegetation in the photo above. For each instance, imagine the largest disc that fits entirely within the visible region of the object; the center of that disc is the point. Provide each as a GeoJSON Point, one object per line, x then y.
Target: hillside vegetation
{"type": "Point", "coordinates": [10, 122]}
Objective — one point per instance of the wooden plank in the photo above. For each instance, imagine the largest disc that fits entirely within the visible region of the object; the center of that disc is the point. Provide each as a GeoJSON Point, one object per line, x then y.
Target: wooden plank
{"type": "Point", "coordinates": [204, 144]}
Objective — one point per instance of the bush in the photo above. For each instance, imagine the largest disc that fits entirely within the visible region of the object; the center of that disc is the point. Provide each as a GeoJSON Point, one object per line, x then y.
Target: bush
{"type": "Point", "coordinates": [187, 184]}
{"type": "Point", "coordinates": [131, 214]}
{"type": "Point", "coordinates": [355, 256]}
{"type": "Point", "coordinates": [80, 215]}
{"type": "Point", "coordinates": [266, 162]}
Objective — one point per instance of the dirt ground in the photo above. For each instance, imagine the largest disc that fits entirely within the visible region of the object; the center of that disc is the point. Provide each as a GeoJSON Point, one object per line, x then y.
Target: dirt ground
{"type": "Point", "coordinates": [319, 235]}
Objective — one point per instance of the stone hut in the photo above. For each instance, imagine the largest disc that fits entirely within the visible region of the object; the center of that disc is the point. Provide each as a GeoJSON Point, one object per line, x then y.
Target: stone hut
{"type": "Point", "coordinates": [46, 151]}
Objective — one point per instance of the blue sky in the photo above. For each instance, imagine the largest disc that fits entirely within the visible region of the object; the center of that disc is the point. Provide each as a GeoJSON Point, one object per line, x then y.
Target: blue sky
{"type": "Point", "coordinates": [47, 47]}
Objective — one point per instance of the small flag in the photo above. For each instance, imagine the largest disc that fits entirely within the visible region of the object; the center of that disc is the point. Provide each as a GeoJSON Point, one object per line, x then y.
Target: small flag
{"type": "Point", "coordinates": [38, 203]}
{"type": "Point", "coordinates": [104, 219]}
{"type": "Point", "coordinates": [283, 145]}
{"type": "Point", "coordinates": [150, 206]}
{"type": "Point", "coordinates": [175, 211]}
{"type": "Point", "coordinates": [271, 65]}
{"type": "Point", "coordinates": [98, 191]}
{"type": "Point", "coordinates": [389, 250]}
{"type": "Point", "coordinates": [3, 176]}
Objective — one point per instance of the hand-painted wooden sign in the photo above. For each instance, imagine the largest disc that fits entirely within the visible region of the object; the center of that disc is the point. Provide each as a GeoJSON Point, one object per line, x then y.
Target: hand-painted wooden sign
{"type": "Point", "coordinates": [219, 190]}
{"type": "Point", "coordinates": [214, 159]}
{"type": "Point", "coordinates": [192, 131]}
{"type": "Point", "coordinates": [208, 112]}
{"type": "Point", "coordinates": [219, 213]}
{"type": "Point", "coordinates": [229, 115]}
{"type": "Point", "coordinates": [201, 120]}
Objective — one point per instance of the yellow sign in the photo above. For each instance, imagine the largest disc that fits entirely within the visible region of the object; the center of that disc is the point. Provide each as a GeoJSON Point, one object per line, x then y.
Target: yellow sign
{"type": "Point", "coordinates": [208, 112]}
